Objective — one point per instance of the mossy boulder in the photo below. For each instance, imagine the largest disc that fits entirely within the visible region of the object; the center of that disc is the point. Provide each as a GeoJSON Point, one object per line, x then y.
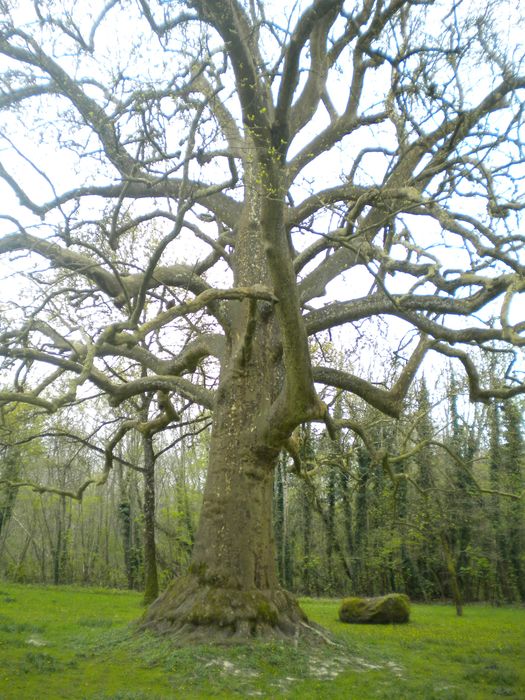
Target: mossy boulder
{"type": "Point", "coordinates": [387, 609]}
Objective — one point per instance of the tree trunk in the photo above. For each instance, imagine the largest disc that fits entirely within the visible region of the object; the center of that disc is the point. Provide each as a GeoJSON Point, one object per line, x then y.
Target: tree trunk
{"type": "Point", "coordinates": [361, 520]}
{"type": "Point", "coordinates": [124, 512]}
{"type": "Point", "coordinates": [278, 518]}
{"type": "Point", "coordinates": [453, 575]}
{"type": "Point", "coordinates": [232, 587]}
{"type": "Point", "coordinates": [513, 480]}
{"type": "Point", "coordinates": [151, 581]}
{"type": "Point", "coordinates": [305, 585]}
{"type": "Point", "coordinates": [60, 550]}
{"type": "Point", "coordinates": [330, 528]}
{"type": "Point", "coordinates": [347, 546]}
{"type": "Point", "coordinates": [10, 471]}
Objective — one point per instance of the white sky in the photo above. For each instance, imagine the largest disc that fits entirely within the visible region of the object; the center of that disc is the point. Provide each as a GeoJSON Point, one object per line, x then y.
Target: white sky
{"type": "Point", "coordinates": [326, 170]}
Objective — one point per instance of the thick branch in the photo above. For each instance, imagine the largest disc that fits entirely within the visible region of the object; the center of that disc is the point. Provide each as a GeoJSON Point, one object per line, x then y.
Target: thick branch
{"type": "Point", "coordinates": [389, 401]}
{"type": "Point", "coordinates": [119, 289]}
{"type": "Point", "coordinates": [224, 207]}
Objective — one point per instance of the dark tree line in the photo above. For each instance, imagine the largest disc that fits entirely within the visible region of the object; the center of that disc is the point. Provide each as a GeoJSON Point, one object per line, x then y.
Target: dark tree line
{"type": "Point", "coordinates": [440, 520]}
{"type": "Point", "coordinates": [444, 522]}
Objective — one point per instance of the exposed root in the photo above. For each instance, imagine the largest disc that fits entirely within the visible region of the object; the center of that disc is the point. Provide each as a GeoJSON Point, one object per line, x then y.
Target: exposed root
{"type": "Point", "coordinates": [190, 611]}
{"type": "Point", "coordinates": [316, 630]}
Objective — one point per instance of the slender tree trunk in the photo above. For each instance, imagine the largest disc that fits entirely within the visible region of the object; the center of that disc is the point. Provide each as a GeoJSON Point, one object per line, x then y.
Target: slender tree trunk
{"type": "Point", "coordinates": [453, 575]}
{"type": "Point", "coordinates": [284, 544]}
{"type": "Point", "coordinates": [10, 471]}
{"type": "Point", "coordinates": [60, 553]}
{"type": "Point", "coordinates": [430, 511]}
{"type": "Point", "coordinates": [513, 531]}
{"type": "Point", "coordinates": [18, 569]}
{"type": "Point", "coordinates": [126, 526]}
{"type": "Point", "coordinates": [182, 497]}
{"type": "Point", "coordinates": [347, 547]}
{"type": "Point", "coordinates": [361, 518]}
{"type": "Point", "coordinates": [278, 518]}
{"type": "Point", "coordinates": [56, 554]}
{"type": "Point", "coordinates": [495, 462]}
{"type": "Point", "coordinates": [151, 581]}
{"type": "Point", "coordinates": [306, 529]}
{"type": "Point", "coordinates": [330, 527]}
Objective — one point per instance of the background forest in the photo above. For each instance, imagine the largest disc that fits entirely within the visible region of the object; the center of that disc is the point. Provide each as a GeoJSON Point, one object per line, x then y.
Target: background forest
{"type": "Point", "coordinates": [441, 519]}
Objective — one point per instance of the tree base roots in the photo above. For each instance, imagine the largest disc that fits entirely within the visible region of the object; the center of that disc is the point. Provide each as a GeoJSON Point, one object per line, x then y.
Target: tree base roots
{"type": "Point", "coordinates": [193, 611]}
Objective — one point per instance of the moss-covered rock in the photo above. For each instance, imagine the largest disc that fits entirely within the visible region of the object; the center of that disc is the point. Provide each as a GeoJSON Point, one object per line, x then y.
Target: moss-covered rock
{"type": "Point", "coordinates": [393, 608]}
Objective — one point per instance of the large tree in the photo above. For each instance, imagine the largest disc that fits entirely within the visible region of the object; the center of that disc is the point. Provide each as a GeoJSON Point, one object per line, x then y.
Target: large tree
{"type": "Point", "coordinates": [191, 177]}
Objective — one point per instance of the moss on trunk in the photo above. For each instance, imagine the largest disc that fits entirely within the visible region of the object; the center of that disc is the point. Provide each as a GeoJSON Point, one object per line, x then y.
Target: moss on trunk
{"type": "Point", "coordinates": [191, 609]}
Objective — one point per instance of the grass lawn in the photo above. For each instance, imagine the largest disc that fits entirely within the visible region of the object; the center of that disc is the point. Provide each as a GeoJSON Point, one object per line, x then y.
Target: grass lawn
{"type": "Point", "coordinates": [77, 643]}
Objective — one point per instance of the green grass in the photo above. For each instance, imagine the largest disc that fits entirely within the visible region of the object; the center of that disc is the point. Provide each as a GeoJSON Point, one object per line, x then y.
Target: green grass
{"type": "Point", "coordinates": [77, 643]}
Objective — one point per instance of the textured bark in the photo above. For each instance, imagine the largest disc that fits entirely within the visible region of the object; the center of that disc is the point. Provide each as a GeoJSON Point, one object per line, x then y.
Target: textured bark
{"type": "Point", "coordinates": [232, 587]}
{"type": "Point", "coordinates": [279, 518]}
{"type": "Point", "coordinates": [512, 550]}
{"type": "Point", "coordinates": [361, 518]}
{"type": "Point", "coordinates": [453, 574]}
{"type": "Point", "coordinates": [10, 471]}
{"type": "Point", "coordinates": [60, 550]}
{"type": "Point", "coordinates": [151, 581]}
